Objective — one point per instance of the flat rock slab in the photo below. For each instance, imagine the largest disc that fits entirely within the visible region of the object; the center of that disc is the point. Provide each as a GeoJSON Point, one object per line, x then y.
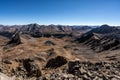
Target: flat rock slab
{"type": "Point", "coordinates": [5, 77]}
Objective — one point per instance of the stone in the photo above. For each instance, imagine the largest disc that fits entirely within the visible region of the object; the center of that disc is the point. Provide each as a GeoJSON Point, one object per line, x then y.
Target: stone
{"type": "Point", "coordinates": [49, 43]}
{"type": "Point", "coordinates": [56, 62]}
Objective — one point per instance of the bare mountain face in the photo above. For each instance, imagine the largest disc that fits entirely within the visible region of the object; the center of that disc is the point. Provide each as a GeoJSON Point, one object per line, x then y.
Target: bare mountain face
{"type": "Point", "coordinates": [36, 30]}
{"type": "Point", "coordinates": [101, 38]}
{"type": "Point", "coordinates": [58, 52]}
{"type": "Point", "coordinates": [104, 29]}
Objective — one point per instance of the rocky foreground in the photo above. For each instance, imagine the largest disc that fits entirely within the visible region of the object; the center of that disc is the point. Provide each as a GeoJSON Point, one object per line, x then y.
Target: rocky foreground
{"type": "Point", "coordinates": [76, 70]}
{"type": "Point", "coordinates": [72, 70]}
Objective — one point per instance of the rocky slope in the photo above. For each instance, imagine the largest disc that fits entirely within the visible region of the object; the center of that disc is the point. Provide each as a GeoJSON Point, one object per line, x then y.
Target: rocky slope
{"type": "Point", "coordinates": [101, 38]}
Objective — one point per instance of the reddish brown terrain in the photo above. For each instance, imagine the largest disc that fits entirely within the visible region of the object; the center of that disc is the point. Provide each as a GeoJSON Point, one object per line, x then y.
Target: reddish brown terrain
{"type": "Point", "coordinates": [39, 52]}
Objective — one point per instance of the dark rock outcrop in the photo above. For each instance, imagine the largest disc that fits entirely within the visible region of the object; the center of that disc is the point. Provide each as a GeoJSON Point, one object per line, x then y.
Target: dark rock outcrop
{"type": "Point", "coordinates": [73, 67]}
{"type": "Point", "coordinates": [27, 68]}
{"type": "Point", "coordinates": [6, 61]}
{"type": "Point", "coordinates": [56, 62]}
{"type": "Point", "coordinates": [15, 40]}
{"type": "Point", "coordinates": [49, 43]}
{"type": "Point", "coordinates": [32, 69]}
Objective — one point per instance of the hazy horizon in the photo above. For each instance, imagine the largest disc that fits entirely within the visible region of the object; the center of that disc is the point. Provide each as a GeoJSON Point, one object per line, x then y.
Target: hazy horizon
{"type": "Point", "coordinates": [63, 12]}
{"type": "Point", "coordinates": [60, 24]}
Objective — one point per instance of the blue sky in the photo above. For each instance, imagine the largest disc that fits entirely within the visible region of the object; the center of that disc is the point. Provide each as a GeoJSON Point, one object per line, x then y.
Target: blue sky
{"type": "Point", "coordinates": [66, 12]}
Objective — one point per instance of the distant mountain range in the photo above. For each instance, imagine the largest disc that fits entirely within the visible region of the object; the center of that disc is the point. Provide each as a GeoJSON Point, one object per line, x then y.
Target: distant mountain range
{"type": "Point", "coordinates": [98, 38]}
{"type": "Point", "coordinates": [37, 30]}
